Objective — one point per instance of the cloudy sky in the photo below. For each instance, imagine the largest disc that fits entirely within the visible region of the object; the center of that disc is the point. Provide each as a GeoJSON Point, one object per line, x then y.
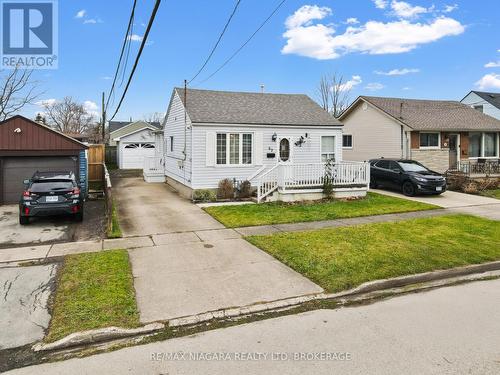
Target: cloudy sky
{"type": "Point", "coordinates": [421, 49]}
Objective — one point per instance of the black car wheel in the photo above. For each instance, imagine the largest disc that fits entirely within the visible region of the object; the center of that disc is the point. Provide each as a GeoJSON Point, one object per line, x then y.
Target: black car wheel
{"type": "Point", "coordinates": [373, 184]}
{"type": "Point", "coordinates": [24, 220]}
{"type": "Point", "coordinates": [79, 216]}
{"type": "Point", "coordinates": [409, 189]}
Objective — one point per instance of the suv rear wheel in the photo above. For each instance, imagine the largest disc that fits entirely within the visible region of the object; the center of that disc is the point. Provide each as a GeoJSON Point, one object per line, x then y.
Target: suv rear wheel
{"type": "Point", "coordinates": [79, 216]}
{"type": "Point", "coordinates": [24, 220]}
{"type": "Point", "coordinates": [409, 189]}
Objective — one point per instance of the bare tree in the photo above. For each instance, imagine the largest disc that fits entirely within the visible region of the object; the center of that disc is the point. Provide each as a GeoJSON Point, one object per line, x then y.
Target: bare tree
{"type": "Point", "coordinates": [154, 117]}
{"type": "Point", "coordinates": [17, 89]}
{"type": "Point", "coordinates": [68, 116]}
{"type": "Point", "coordinates": [333, 93]}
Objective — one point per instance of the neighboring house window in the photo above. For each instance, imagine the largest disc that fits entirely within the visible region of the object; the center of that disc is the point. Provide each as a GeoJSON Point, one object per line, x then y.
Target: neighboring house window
{"type": "Point", "coordinates": [475, 143]}
{"type": "Point", "coordinates": [429, 140]}
{"type": "Point", "coordinates": [347, 141]}
{"type": "Point", "coordinates": [284, 149]}
{"type": "Point", "coordinates": [240, 148]}
{"type": "Point", "coordinates": [327, 148]}
{"type": "Point", "coordinates": [171, 143]}
{"type": "Point", "coordinates": [479, 108]}
{"type": "Point", "coordinates": [490, 144]}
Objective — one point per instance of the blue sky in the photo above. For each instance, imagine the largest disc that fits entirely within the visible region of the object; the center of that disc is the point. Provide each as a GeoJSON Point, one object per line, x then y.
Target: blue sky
{"type": "Point", "coordinates": [421, 49]}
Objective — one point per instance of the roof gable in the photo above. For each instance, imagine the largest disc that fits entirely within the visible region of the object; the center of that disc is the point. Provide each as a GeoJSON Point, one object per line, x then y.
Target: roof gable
{"type": "Point", "coordinates": [21, 133]}
{"type": "Point", "coordinates": [226, 107]}
{"type": "Point", "coordinates": [491, 97]}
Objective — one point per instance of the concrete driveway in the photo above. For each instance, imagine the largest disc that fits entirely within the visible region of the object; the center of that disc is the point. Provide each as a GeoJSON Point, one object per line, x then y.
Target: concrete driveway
{"type": "Point", "coordinates": [24, 294]}
{"type": "Point", "coordinates": [195, 265]}
{"type": "Point", "coordinates": [456, 202]}
{"type": "Point", "coordinates": [50, 229]}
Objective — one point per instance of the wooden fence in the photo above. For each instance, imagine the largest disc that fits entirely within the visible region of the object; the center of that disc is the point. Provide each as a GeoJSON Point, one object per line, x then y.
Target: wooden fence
{"type": "Point", "coordinates": [96, 162]}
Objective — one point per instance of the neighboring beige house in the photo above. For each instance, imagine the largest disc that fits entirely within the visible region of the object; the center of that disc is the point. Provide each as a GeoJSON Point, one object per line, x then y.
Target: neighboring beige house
{"type": "Point", "coordinates": [439, 134]}
{"type": "Point", "coordinates": [119, 129]}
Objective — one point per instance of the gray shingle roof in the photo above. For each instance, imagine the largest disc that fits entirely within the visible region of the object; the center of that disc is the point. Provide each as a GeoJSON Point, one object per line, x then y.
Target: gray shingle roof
{"type": "Point", "coordinates": [115, 125]}
{"type": "Point", "coordinates": [434, 114]}
{"type": "Point", "coordinates": [491, 97]}
{"type": "Point", "coordinates": [207, 106]}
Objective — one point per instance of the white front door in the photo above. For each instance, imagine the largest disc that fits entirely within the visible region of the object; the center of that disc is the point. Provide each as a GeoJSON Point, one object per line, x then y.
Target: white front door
{"type": "Point", "coordinates": [133, 154]}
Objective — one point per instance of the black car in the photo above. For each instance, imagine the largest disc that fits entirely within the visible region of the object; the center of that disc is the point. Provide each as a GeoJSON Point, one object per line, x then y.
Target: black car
{"type": "Point", "coordinates": [408, 176]}
{"type": "Point", "coordinates": [51, 193]}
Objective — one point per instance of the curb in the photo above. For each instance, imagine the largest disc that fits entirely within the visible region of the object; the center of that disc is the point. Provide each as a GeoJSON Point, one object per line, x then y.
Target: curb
{"type": "Point", "coordinates": [97, 335]}
{"type": "Point", "coordinates": [453, 275]}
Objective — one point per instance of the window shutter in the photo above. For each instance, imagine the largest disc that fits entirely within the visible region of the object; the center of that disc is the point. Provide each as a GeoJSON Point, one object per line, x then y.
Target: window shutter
{"type": "Point", "coordinates": [210, 149]}
{"type": "Point", "coordinates": [259, 148]}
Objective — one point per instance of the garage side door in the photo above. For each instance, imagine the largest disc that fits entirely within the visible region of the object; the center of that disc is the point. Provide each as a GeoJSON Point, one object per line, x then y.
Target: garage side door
{"type": "Point", "coordinates": [18, 169]}
{"type": "Point", "coordinates": [133, 154]}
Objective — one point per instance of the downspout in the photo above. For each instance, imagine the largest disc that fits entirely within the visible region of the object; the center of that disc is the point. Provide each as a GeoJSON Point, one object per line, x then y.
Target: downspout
{"type": "Point", "coordinates": [185, 131]}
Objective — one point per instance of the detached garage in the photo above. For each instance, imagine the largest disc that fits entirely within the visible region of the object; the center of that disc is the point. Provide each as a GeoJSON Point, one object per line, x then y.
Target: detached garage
{"type": "Point", "coordinates": [133, 147]}
{"type": "Point", "coordinates": [27, 147]}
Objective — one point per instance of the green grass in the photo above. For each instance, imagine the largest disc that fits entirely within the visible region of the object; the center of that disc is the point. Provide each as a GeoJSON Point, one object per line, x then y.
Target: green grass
{"type": "Point", "coordinates": [280, 213]}
{"type": "Point", "coordinates": [94, 290]}
{"type": "Point", "coordinates": [495, 193]}
{"type": "Point", "coordinates": [343, 258]}
{"type": "Point", "coordinates": [114, 231]}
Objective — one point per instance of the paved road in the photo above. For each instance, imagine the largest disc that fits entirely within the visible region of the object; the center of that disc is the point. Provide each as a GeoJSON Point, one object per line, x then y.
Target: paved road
{"type": "Point", "coordinates": [453, 330]}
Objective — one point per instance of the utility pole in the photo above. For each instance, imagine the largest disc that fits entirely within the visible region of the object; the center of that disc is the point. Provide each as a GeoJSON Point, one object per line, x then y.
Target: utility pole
{"type": "Point", "coordinates": [103, 118]}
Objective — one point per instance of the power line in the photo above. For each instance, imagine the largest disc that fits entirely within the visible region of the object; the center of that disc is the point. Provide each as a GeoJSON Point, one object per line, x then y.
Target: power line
{"type": "Point", "coordinates": [125, 40]}
{"type": "Point", "coordinates": [143, 43]}
{"type": "Point", "coordinates": [218, 41]}
{"type": "Point", "coordinates": [244, 44]}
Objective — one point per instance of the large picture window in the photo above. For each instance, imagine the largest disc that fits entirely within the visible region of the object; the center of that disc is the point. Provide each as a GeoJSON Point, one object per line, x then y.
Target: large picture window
{"type": "Point", "coordinates": [234, 148]}
{"type": "Point", "coordinates": [429, 140]}
{"type": "Point", "coordinates": [327, 148]}
{"type": "Point", "coordinates": [490, 144]}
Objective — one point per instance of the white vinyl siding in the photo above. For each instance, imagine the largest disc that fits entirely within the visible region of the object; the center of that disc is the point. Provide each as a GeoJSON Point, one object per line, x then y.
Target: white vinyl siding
{"type": "Point", "coordinates": [178, 165]}
{"type": "Point", "coordinates": [488, 109]}
{"type": "Point", "coordinates": [209, 176]}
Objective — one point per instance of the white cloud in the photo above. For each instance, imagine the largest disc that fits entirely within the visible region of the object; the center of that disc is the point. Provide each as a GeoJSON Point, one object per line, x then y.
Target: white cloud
{"type": "Point", "coordinates": [351, 21]}
{"type": "Point", "coordinates": [492, 64]}
{"type": "Point", "coordinates": [319, 41]}
{"type": "Point", "coordinates": [489, 81]}
{"type": "Point", "coordinates": [349, 85]}
{"type": "Point", "coordinates": [90, 20]}
{"type": "Point", "coordinates": [91, 107]}
{"type": "Point", "coordinates": [374, 86]}
{"type": "Point", "coordinates": [450, 8]}
{"type": "Point", "coordinates": [81, 13]}
{"type": "Point", "coordinates": [135, 38]}
{"type": "Point", "coordinates": [107, 78]}
{"type": "Point", "coordinates": [45, 102]}
{"type": "Point", "coordinates": [381, 4]}
{"type": "Point", "coordinates": [397, 72]}
{"type": "Point", "coordinates": [305, 14]}
{"type": "Point", "coordinates": [406, 88]}
{"type": "Point", "coordinates": [403, 9]}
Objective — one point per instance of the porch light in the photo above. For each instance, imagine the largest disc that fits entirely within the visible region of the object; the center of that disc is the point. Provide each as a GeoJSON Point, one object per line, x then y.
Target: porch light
{"type": "Point", "coordinates": [274, 137]}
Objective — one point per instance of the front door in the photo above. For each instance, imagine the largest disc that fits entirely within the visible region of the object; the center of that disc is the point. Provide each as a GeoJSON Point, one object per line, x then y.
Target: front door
{"type": "Point", "coordinates": [454, 146]}
{"type": "Point", "coordinates": [285, 158]}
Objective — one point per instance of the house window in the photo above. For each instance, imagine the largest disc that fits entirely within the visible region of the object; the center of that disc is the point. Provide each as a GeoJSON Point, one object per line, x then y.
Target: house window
{"type": "Point", "coordinates": [479, 108]}
{"type": "Point", "coordinates": [221, 149]}
{"type": "Point", "coordinates": [475, 143]}
{"type": "Point", "coordinates": [327, 148]}
{"type": "Point", "coordinates": [240, 148]}
{"type": "Point", "coordinates": [171, 143]}
{"type": "Point", "coordinates": [347, 141]}
{"type": "Point", "coordinates": [284, 149]}
{"type": "Point", "coordinates": [429, 140]}
{"type": "Point", "coordinates": [490, 144]}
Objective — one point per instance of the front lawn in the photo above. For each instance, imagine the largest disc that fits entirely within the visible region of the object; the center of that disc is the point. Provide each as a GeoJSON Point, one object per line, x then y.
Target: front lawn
{"type": "Point", "coordinates": [343, 258]}
{"type": "Point", "coordinates": [94, 290]}
{"type": "Point", "coordinates": [495, 193]}
{"type": "Point", "coordinates": [280, 213]}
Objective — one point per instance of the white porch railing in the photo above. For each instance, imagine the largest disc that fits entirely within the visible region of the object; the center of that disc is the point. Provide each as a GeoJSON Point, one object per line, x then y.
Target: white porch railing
{"type": "Point", "coordinates": [153, 165]}
{"type": "Point", "coordinates": [285, 177]}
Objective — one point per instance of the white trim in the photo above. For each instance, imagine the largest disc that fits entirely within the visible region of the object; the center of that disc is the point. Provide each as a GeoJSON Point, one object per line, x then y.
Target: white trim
{"type": "Point", "coordinates": [132, 123]}
{"type": "Point", "coordinates": [429, 147]}
{"type": "Point", "coordinates": [321, 147]}
{"type": "Point", "coordinates": [290, 151]}
{"type": "Point", "coordinates": [228, 149]}
{"type": "Point", "coordinates": [273, 126]}
{"type": "Point", "coordinates": [135, 131]}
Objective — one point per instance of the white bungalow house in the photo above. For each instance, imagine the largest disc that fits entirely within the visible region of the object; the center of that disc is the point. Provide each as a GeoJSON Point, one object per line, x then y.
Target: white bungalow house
{"type": "Point", "coordinates": [278, 142]}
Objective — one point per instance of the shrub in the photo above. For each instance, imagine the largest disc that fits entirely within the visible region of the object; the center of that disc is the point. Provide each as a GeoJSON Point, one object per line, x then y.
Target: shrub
{"type": "Point", "coordinates": [245, 190]}
{"type": "Point", "coordinates": [328, 178]}
{"type": "Point", "coordinates": [204, 195]}
{"type": "Point", "coordinates": [470, 188]}
{"type": "Point", "coordinates": [225, 189]}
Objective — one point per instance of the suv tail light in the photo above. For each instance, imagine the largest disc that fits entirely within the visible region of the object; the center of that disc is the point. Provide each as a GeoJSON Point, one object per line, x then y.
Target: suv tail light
{"type": "Point", "coordinates": [75, 193]}
{"type": "Point", "coordinates": [27, 195]}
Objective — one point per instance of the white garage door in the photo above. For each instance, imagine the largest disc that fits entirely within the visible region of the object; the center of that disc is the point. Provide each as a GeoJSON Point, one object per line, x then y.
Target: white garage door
{"type": "Point", "coordinates": [133, 154]}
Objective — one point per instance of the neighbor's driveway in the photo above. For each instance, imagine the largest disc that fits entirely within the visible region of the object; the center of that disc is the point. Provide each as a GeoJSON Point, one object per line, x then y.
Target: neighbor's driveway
{"type": "Point", "coordinates": [458, 202]}
{"type": "Point", "coordinates": [195, 265]}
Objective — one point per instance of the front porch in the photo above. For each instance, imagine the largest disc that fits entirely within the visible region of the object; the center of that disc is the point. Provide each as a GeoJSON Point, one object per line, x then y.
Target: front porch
{"type": "Point", "coordinates": [154, 169]}
{"type": "Point", "coordinates": [477, 168]}
{"type": "Point", "coordinates": [298, 182]}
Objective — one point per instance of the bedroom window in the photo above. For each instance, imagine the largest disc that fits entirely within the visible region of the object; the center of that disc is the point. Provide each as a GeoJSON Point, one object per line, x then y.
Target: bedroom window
{"type": "Point", "coordinates": [327, 148]}
{"type": "Point", "coordinates": [429, 140]}
{"type": "Point", "coordinates": [234, 148]}
{"type": "Point", "coordinates": [347, 141]}
{"type": "Point", "coordinates": [171, 143]}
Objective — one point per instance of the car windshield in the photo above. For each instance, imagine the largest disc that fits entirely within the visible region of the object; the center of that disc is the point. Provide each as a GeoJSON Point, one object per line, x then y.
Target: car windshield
{"type": "Point", "coordinates": [47, 186]}
{"type": "Point", "coordinates": [412, 167]}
